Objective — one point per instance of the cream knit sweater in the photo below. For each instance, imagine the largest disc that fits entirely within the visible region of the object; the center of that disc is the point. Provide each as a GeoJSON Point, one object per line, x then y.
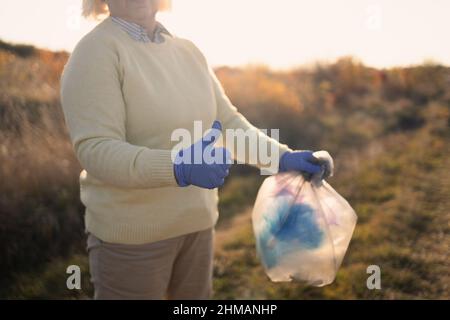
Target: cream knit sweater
{"type": "Point", "coordinates": [121, 100]}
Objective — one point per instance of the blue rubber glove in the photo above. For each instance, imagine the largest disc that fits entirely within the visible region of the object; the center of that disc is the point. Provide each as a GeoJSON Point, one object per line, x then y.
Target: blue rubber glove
{"type": "Point", "coordinates": [302, 161]}
{"type": "Point", "coordinates": [206, 169]}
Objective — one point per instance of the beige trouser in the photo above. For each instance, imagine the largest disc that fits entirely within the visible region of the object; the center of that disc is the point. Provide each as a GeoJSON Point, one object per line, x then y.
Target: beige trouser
{"type": "Point", "coordinates": [176, 268]}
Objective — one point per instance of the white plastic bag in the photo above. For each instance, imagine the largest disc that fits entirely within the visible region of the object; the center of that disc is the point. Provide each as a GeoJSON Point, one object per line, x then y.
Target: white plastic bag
{"type": "Point", "coordinates": [302, 229]}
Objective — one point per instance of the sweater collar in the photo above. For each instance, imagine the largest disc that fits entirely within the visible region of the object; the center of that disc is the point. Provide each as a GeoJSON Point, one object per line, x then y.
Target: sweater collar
{"type": "Point", "coordinates": [139, 33]}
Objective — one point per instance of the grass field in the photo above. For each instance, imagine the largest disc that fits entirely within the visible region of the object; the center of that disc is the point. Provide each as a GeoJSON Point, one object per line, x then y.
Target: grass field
{"type": "Point", "coordinates": [388, 131]}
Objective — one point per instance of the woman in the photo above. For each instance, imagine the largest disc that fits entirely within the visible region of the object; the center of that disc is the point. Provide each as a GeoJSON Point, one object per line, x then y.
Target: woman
{"type": "Point", "coordinates": [129, 83]}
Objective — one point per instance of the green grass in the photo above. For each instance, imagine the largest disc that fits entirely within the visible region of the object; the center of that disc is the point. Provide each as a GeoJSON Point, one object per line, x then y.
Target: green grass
{"type": "Point", "coordinates": [388, 131]}
{"type": "Point", "coordinates": [49, 281]}
{"type": "Point", "coordinates": [403, 199]}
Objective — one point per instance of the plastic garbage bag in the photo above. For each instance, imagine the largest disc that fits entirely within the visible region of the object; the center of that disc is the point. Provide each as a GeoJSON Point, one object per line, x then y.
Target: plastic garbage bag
{"type": "Point", "coordinates": [302, 228]}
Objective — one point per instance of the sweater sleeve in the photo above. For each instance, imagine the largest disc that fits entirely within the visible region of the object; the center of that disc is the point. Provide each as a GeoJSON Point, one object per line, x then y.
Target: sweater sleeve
{"type": "Point", "coordinates": [94, 112]}
{"type": "Point", "coordinates": [231, 118]}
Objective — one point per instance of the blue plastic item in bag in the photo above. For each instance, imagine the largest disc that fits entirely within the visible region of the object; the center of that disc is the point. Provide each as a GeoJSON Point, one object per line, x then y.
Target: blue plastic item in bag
{"type": "Point", "coordinates": [302, 229]}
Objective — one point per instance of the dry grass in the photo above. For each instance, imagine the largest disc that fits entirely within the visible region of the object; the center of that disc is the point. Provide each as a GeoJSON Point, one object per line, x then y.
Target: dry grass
{"type": "Point", "coordinates": [388, 131]}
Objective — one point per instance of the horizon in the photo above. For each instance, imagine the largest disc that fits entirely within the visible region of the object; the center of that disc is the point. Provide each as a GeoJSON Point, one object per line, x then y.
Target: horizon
{"type": "Point", "coordinates": [379, 34]}
{"type": "Point", "coordinates": [305, 65]}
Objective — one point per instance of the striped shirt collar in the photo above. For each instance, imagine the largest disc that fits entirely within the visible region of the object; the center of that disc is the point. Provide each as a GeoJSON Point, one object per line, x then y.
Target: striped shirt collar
{"type": "Point", "coordinates": [139, 33]}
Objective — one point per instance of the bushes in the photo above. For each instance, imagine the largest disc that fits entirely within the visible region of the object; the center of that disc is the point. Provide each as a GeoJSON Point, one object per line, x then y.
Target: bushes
{"type": "Point", "coordinates": [40, 211]}
{"type": "Point", "coordinates": [387, 130]}
{"type": "Point", "coordinates": [21, 50]}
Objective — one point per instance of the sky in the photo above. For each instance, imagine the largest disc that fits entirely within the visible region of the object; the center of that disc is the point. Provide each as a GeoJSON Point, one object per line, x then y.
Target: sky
{"type": "Point", "coordinates": [278, 33]}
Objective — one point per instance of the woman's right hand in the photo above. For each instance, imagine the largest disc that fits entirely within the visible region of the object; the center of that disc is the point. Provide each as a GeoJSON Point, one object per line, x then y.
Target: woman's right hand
{"type": "Point", "coordinates": [212, 166]}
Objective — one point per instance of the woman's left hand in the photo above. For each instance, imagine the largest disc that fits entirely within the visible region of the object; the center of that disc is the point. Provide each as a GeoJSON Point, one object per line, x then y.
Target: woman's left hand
{"type": "Point", "coordinates": [308, 162]}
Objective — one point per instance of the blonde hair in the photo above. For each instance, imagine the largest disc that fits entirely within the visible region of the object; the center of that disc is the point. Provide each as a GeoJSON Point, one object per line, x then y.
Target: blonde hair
{"type": "Point", "coordinates": [97, 9]}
